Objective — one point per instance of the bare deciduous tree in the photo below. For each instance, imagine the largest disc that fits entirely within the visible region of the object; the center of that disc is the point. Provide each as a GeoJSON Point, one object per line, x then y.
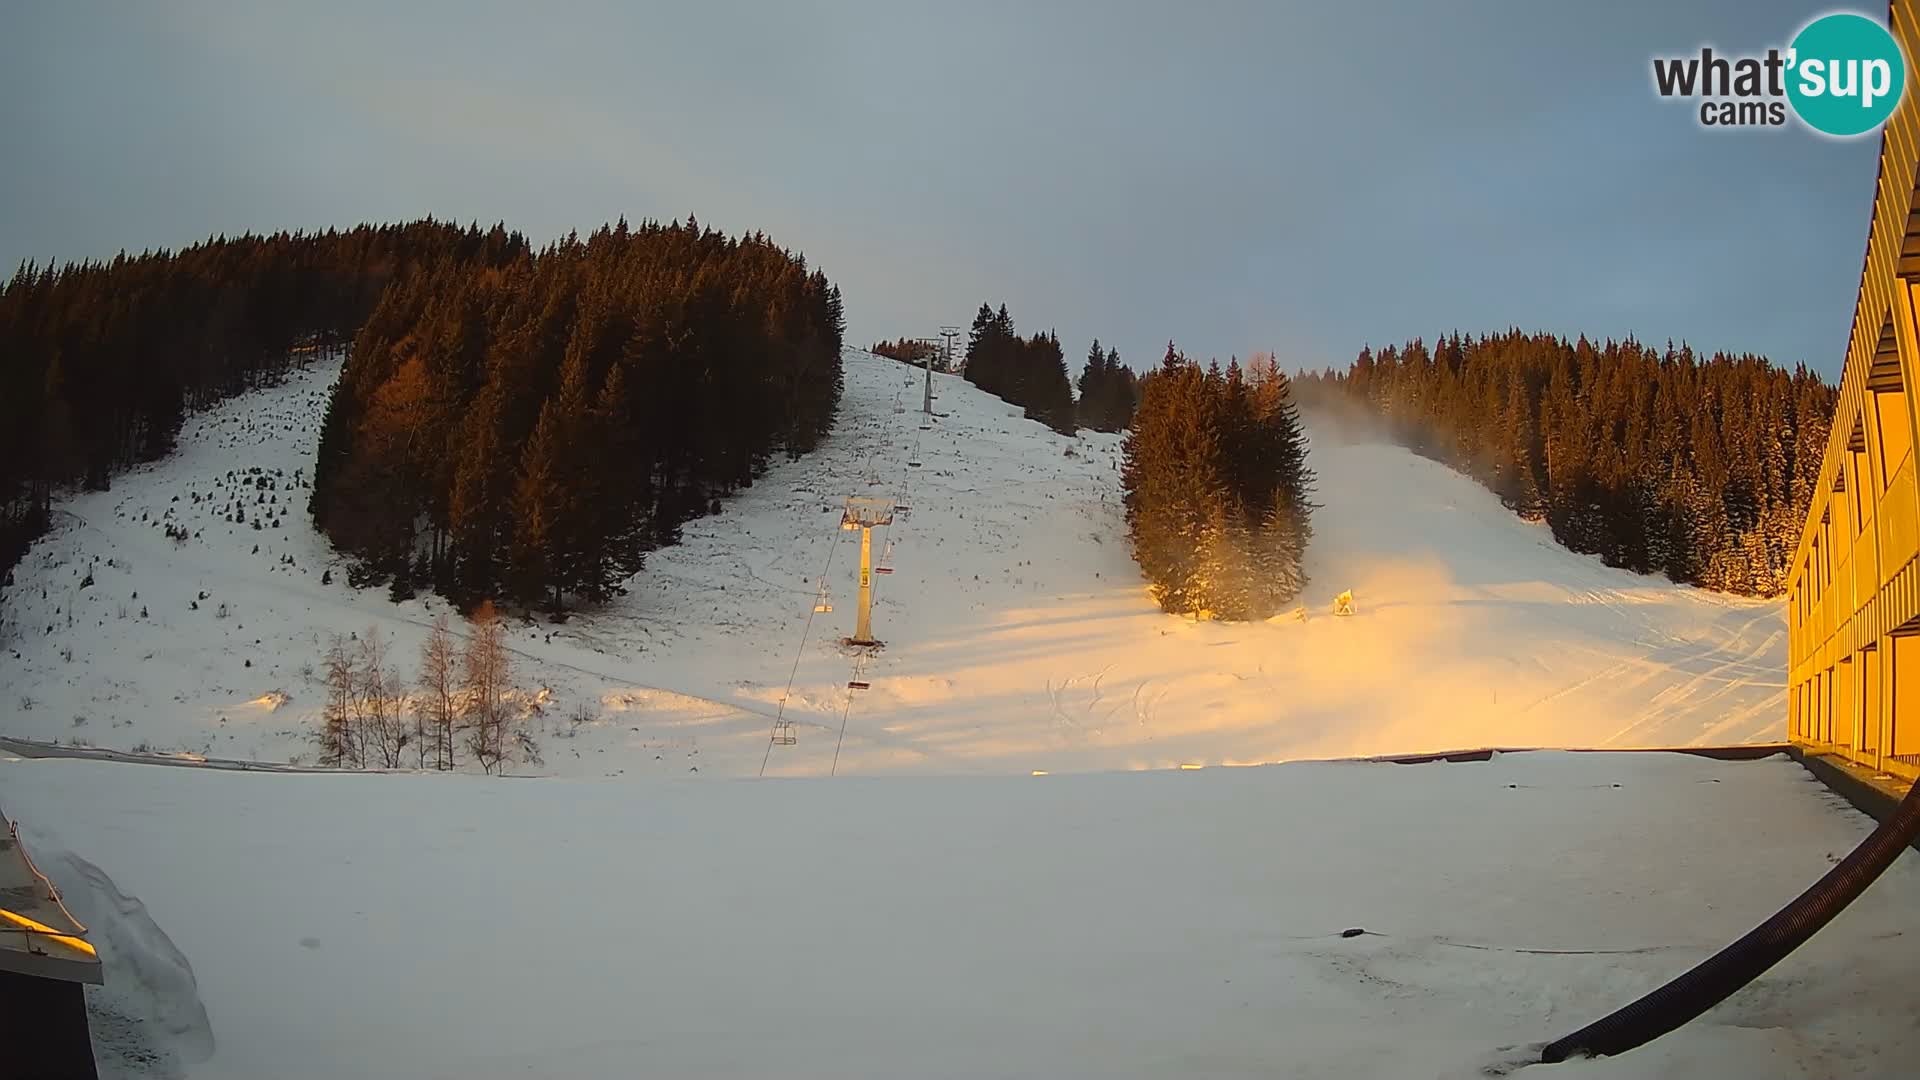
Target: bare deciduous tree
{"type": "Point", "coordinates": [380, 701]}
{"type": "Point", "coordinates": [485, 673]}
{"type": "Point", "coordinates": [339, 736]}
{"type": "Point", "coordinates": [439, 705]}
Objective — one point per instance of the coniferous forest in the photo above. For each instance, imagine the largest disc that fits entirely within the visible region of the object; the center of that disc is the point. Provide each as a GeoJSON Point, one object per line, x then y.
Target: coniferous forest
{"type": "Point", "coordinates": [1656, 460]}
{"type": "Point", "coordinates": [508, 423]}
{"type": "Point", "coordinates": [531, 430]}
{"type": "Point", "coordinates": [1218, 493]}
{"type": "Point", "coordinates": [1029, 372]}
{"type": "Point", "coordinates": [101, 361]}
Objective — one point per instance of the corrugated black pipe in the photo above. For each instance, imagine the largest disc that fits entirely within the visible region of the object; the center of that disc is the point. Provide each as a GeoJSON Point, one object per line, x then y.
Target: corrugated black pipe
{"type": "Point", "coordinates": [1716, 978]}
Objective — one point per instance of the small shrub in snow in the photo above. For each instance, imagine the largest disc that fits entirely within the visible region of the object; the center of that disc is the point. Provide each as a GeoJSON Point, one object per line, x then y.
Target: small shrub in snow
{"type": "Point", "coordinates": [528, 748]}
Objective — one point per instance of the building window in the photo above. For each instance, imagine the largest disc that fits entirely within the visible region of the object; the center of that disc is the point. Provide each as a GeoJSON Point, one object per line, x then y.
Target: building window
{"type": "Point", "coordinates": [1896, 436]}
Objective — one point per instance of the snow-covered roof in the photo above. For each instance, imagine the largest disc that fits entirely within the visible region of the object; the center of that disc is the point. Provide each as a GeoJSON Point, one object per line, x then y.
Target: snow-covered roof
{"type": "Point", "coordinates": [37, 935]}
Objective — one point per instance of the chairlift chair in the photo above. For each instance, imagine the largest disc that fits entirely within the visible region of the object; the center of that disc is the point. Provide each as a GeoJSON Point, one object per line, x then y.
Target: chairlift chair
{"type": "Point", "coordinates": [783, 733]}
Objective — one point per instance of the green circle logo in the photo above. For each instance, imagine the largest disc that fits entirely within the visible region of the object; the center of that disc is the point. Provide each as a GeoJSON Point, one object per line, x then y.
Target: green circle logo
{"type": "Point", "coordinates": [1845, 74]}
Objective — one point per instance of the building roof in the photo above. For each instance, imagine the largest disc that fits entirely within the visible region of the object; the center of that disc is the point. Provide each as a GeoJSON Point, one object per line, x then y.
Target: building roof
{"type": "Point", "coordinates": [38, 935]}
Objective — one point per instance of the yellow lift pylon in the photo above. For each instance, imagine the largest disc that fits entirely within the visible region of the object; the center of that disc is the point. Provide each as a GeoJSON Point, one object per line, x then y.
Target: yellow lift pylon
{"type": "Point", "coordinates": [866, 515]}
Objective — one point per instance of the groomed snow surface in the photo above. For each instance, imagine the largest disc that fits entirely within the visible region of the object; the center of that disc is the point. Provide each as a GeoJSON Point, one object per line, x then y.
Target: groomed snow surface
{"type": "Point", "coordinates": [1165, 924]}
{"type": "Point", "coordinates": [1019, 633]}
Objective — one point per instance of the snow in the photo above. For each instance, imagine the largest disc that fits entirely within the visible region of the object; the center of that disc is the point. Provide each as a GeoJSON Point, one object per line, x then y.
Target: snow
{"type": "Point", "coordinates": [988, 888]}
{"type": "Point", "coordinates": [1019, 634]}
{"type": "Point", "coordinates": [1160, 924]}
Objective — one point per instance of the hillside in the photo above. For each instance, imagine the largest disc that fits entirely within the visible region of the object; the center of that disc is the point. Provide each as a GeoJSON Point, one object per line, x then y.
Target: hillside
{"type": "Point", "coordinates": [1019, 635]}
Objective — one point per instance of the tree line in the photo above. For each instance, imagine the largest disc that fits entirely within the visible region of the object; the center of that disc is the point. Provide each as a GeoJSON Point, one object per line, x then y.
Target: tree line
{"type": "Point", "coordinates": [101, 361]}
{"type": "Point", "coordinates": [1656, 460]}
{"type": "Point", "coordinates": [1030, 372]}
{"type": "Point", "coordinates": [531, 430]}
{"type": "Point", "coordinates": [912, 351]}
{"type": "Point", "coordinates": [1217, 488]}
{"type": "Point", "coordinates": [459, 700]}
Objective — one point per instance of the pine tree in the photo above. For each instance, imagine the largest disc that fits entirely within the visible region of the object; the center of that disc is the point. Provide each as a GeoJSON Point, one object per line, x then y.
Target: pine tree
{"type": "Point", "coordinates": [1172, 482]}
{"type": "Point", "coordinates": [1048, 395]}
{"type": "Point", "coordinates": [1287, 526]}
{"type": "Point", "coordinates": [1218, 492]}
{"type": "Point", "coordinates": [1123, 393]}
{"type": "Point", "coordinates": [541, 555]}
{"type": "Point", "coordinates": [1093, 386]}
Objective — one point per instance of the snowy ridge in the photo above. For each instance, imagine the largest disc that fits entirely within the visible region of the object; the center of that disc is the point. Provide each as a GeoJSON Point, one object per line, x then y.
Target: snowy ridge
{"type": "Point", "coordinates": [1019, 634]}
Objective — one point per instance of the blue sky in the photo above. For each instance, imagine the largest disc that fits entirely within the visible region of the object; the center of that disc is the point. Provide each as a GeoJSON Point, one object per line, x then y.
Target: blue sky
{"type": "Point", "coordinates": [1303, 178]}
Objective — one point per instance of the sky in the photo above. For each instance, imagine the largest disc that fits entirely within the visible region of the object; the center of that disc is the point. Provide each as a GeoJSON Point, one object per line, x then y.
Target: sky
{"type": "Point", "coordinates": [1292, 177]}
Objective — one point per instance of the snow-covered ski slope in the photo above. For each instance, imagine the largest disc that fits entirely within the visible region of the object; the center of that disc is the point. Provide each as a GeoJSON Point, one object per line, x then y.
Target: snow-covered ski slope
{"type": "Point", "coordinates": [1019, 635]}
{"type": "Point", "coordinates": [1165, 924]}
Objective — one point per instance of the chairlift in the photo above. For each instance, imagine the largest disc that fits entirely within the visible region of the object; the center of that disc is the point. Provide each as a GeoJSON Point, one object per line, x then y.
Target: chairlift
{"type": "Point", "coordinates": [822, 607]}
{"type": "Point", "coordinates": [883, 569]}
{"type": "Point", "coordinates": [913, 464]}
{"type": "Point", "coordinates": [783, 733]}
{"type": "Point", "coordinates": [856, 684]}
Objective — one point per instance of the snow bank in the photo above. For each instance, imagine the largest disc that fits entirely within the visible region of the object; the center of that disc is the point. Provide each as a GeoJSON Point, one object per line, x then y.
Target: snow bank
{"type": "Point", "coordinates": [1151, 925]}
{"type": "Point", "coordinates": [147, 1019]}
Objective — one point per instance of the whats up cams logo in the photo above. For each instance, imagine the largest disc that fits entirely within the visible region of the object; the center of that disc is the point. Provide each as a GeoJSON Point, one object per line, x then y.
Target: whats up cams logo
{"type": "Point", "coordinates": [1842, 75]}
